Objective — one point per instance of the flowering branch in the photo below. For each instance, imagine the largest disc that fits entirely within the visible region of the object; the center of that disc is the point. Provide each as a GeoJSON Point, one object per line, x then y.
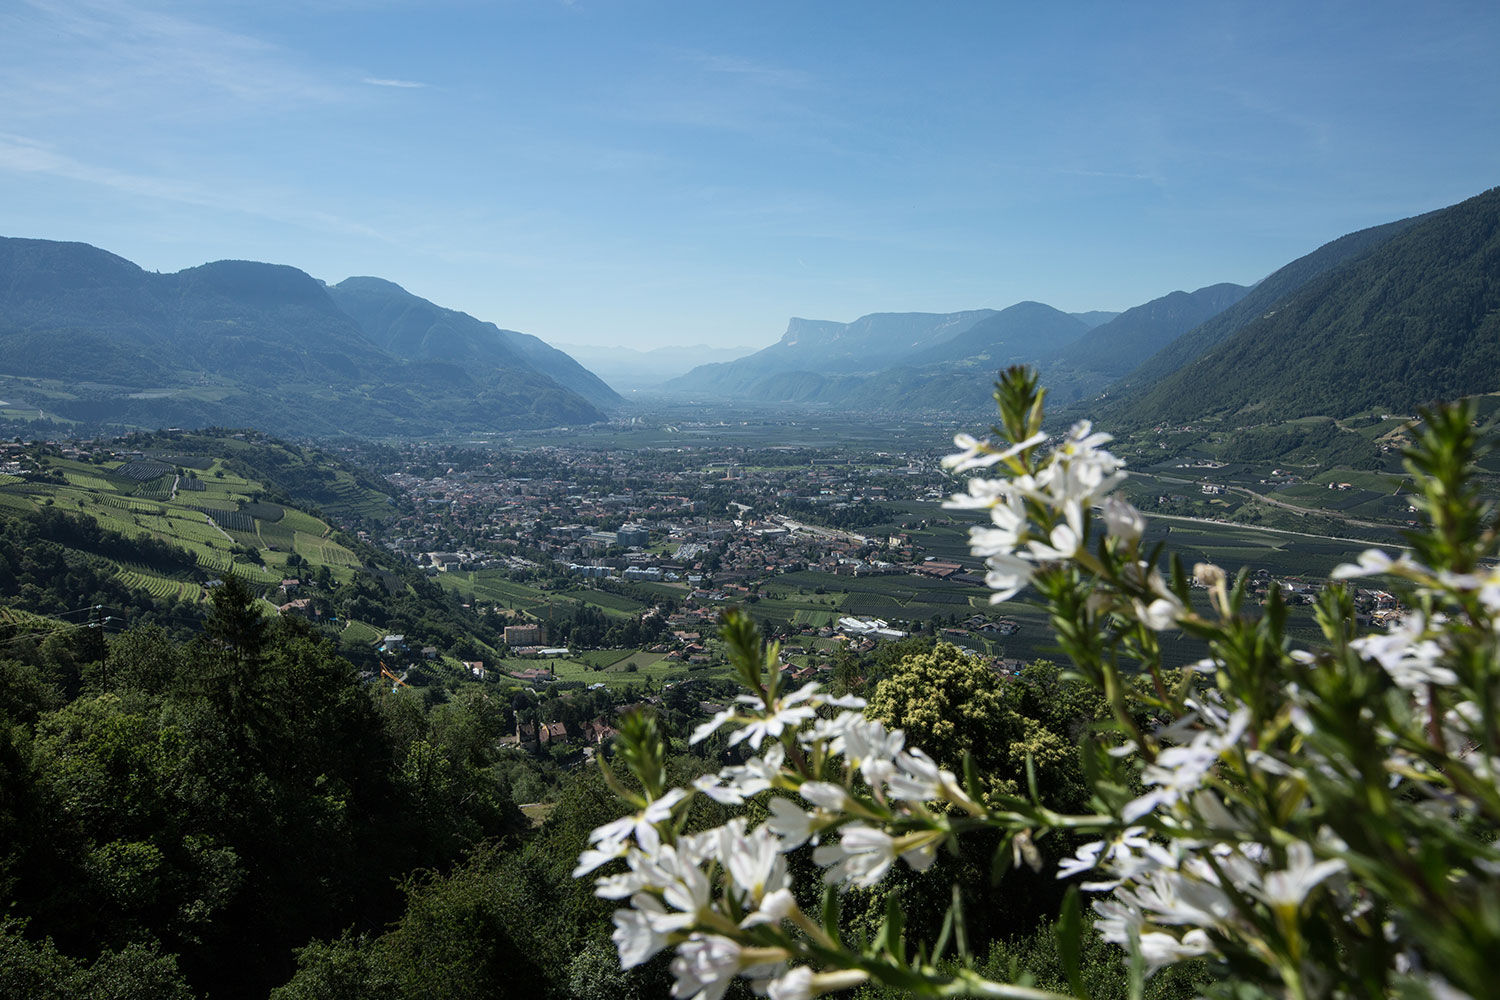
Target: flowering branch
{"type": "Point", "coordinates": [1315, 823]}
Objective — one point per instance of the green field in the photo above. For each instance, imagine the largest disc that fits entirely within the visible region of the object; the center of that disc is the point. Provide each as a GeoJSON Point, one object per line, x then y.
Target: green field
{"type": "Point", "coordinates": [359, 634]}
{"type": "Point", "coordinates": [624, 667]}
{"type": "Point", "coordinates": [115, 502]}
{"type": "Point", "coordinates": [491, 585]}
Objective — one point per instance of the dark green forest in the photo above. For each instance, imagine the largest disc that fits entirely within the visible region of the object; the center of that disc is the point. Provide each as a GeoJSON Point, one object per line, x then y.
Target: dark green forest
{"type": "Point", "coordinates": [239, 815]}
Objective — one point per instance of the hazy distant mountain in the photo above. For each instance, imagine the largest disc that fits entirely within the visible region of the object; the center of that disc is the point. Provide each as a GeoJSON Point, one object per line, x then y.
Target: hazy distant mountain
{"type": "Point", "coordinates": [824, 347]}
{"type": "Point", "coordinates": [1021, 333]}
{"type": "Point", "coordinates": [1120, 345]}
{"type": "Point", "coordinates": [412, 327]}
{"type": "Point", "coordinates": [1410, 316]}
{"type": "Point", "coordinates": [1087, 366]}
{"type": "Point", "coordinates": [901, 362]}
{"type": "Point", "coordinates": [93, 337]}
{"type": "Point", "coordinates": [627, 369]}
{"type": "Point", "coordinates": [1094, 318]}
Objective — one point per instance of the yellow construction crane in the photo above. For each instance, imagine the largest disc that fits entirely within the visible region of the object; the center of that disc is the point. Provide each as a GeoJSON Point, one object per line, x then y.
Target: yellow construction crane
{"type": "Point", "coordinates": [396, 682]}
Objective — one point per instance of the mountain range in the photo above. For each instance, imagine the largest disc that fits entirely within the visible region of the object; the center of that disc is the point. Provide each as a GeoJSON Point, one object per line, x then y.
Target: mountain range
{"type": "Point", "coordinates": [1388, 317]}
{"type": "Point", "coordinates": [92, 337]}
{"type": "Point", "coordinates": [1391, 316]}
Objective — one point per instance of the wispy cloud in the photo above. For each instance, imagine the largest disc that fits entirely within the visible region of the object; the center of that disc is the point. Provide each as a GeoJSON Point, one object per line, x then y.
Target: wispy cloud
{"type": "Point", "coordinates": [780, 76]}
{"type": "Point", "coordinates": [1124, 175]}
{"type": "Point", "coordinates": [20, 154]}
{"type": "Point", "coordinates": [111, 52]}
{"type": "Point", "coordinates": [376, 81]}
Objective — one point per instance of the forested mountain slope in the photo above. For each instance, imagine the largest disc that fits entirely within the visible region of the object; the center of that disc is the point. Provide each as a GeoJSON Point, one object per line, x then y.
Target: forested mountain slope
{"type": "Point", "coordinates": [88, 336]}
{"type": "Point", "coordinates": [1118, 346]}
{"type": "Point", "coordinates": [1413, 320]}
{"type": "Point", "coordinates": [412, 327]}
{"type": "Point", "coordinates": [1259, 300]}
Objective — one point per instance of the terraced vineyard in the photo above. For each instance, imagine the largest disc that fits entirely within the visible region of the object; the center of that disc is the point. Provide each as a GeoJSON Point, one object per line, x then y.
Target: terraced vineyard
{"type": "Point", "coordinates": [160, 587]}
{"type": "Point", "coordinates": [15, 617]}
{"type": "Point", "coordinates": [324, 550]}
{"type": "Point", "coordinates": [276, 535]}
{"type": "Point", "coordinates": [351, 501]}
{"type": "Point", "coordinates": [156, 489]}
{"type": "Point", "coordinates": [359, 634]}
{"type": "Point", "coordinates": [143, 470]}
{"type": "Point", "coordinates": [230, 520]}
{"type": "Point", "coordinates": [134, 499]}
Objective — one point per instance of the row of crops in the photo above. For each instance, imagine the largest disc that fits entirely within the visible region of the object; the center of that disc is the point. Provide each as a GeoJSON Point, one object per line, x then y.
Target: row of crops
{"type": "Point", "coordinates": [324, 550]}
{"type": "Point", "coordinates": [156, 489]}
{"type": "Point", "coordinates": [131, 504]}
{"type": "Point", "coordinates": [143, 470]}
{"type": "Point", "coordinates": [230, 520]}
{"type": "Point", "coordinates": [262, 511]}
{"type": "Point", "coordinates": [159, 587]}
{"type": "Point", "coordinates": [198, 462]}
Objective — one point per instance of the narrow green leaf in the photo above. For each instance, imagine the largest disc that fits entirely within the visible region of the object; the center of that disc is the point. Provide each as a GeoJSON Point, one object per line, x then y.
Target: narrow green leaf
{"type": "Point", "coordinates": [831, 913]}
{"type": "Point", "coordinates": [1000, 863]}
{"type": "Point", "coordinates": [1069, 934]}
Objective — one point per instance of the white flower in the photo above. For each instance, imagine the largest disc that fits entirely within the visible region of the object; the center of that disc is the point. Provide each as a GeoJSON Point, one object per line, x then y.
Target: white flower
{"type": "Point", "coordinates": [727, 795]}
{"type": "Point", "coordinates": [607, 851]}
{"type": "Point", "coordinates": [867, 746]}
{"type": "Point", "coordinates": [707, 729]}
{"type": "Point", "coordinates": [775, 907]}
{"type": "Point", "coordinates": [1117, 920]}
{"type": "Point", "coordinates": [797, 984]}
{"type": "Point", "coordinates": [788, 712]}
{"type": "Point", "coordinates": [754, 860]}
{"type": "Point", "coordinates": [755, 775]}
{"type": "Point", "coordinates": [642, 824]}
{"type": "Point", "coordinates": [1007, 576]}
{"type": "Point", "coordinates": [1081, 471]}
{"type": "Point", "coordinates": [1371, 563]}
{"type": "Point", "coordinates": [979, 454]}
{"type": "Point", "coordinates": [1160, 949]}
{"type": "Point", "coordinates": [1083, 859]}
{"type": "Point", "coordinates": [985, 542]}
{"type": "Point", "coordinates": [634, 936]}
{"type": "Point", "coordinates": [1411, 660]}
{"type": "Point", "coordinates": [1064, 545]}
{"type": "Point", "coordinates": [685, 886]}
{"type": "Point", "coordinates": [919, 779]}
{"type": "Point", "coordinates": [862, 855]}
{"type": "Point", "coordinates": [704, 966]}
{"type": "Point", "coordinates": [1161, 614]}
{"type": "Point", "coordinates": [824, 794]}
{"type": "Point", "coordinates": [1177, 898]}
{"type": "Point", "coordinates": [1122, 520]}
{"type": "Point", "coordinates": [1179, 770]}
{"type": "Point", "coordinates": [791, 823]}
{"type": "Point", "coordinates": [983, 494]}
{"type": "Point", "coordinates": [1291, 886]}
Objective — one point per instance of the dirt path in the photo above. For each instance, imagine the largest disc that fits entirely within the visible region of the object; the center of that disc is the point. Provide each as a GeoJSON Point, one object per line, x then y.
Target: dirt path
{"type": "Point", "coordinates": [1279, 531]}
{"type": "Point", "coordinates": [1305, 511]}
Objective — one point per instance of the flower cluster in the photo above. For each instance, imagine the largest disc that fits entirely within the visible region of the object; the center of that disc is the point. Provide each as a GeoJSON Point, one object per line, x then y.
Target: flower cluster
{"type": "Point", "coordinates": [722, 896]}
{"type": "Point", "coordinates": [1314, 823]}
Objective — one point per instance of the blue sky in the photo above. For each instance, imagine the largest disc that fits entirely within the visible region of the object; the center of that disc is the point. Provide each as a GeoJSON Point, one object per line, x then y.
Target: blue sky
{"type": "Point", "coordinates": [643, 173]}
